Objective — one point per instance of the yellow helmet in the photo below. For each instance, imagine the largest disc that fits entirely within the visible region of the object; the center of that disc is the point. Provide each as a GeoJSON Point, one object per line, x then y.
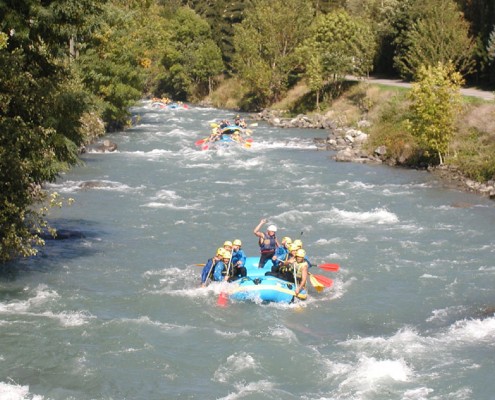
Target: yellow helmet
{"type": "Point", "coordinates": [293, 247]}
{"type": "Point", "coordinates": [287, 240]}
{"type": "Point", "coordinates": [227, 254]}
{"type": "Point", "coordinates": [227, 243]}
{"type": "Point", "coordinates": [297, 243]}
{"type": "Point", "coordinates": [301, 253]}
{"type": "Point", "coordinates": [237, 242]}
{"type": "Point", "coordinates": [220, 251]}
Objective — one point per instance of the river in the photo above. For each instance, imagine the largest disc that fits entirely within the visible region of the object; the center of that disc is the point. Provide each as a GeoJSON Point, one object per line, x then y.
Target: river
{"type": "Point", "coordinates": [117, 312]}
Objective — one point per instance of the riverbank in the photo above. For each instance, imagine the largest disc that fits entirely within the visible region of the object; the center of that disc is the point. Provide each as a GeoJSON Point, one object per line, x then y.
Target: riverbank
{"type": "Point", "coordinates": [352, 145]}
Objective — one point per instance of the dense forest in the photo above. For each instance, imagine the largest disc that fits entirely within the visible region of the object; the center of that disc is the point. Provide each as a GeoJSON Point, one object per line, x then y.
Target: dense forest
{"type": "Point", "coordinates": [70, 69]}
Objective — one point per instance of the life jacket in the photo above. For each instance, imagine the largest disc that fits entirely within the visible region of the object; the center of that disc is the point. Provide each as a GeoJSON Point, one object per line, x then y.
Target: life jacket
{"type": "Point", "coordinates": [299, 267]}
{"type": "Point", "coordinates": [238, 256]}
{"type": "Point", "coordinates": [217, 275]}
{"type": "Point", "coordinates": [268, 244]}
{"type": "Point", "coordinates": [207, 272]}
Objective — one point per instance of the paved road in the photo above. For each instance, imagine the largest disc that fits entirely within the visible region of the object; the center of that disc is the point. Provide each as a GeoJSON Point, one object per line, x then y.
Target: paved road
{"type": "Point", "coordinates": [472, 92]}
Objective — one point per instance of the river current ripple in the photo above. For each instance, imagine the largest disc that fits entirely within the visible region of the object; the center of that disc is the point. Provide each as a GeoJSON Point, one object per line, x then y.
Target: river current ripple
{"type": "Point", "coordinates": [116, 311]}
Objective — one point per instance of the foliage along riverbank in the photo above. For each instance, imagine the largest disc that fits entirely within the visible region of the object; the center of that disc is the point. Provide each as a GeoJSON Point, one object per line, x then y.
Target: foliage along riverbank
{"type": "Point", "coordinates": [366, 125]}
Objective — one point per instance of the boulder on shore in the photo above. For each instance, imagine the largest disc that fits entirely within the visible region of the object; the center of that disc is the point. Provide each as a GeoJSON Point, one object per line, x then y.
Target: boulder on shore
{"type": "Point", "coordinates": [106, 146]}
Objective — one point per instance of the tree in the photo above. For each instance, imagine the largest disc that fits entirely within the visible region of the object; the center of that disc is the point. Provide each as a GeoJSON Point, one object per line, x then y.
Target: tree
{"type": "Point", "coordinates": [191, 58]}
{"type": "Point", "coordinates": [265, 44]}
{"type": "Point", "coordinates": [435, 105]}
{"type": "Point", "coordinates": [222, 15]}
{"type": "Point", "coordinates": [40, 110]}
{"type": "Point", "coordinates": [339, 45]}
{"type": "Point", "coordinates": [437, 32]}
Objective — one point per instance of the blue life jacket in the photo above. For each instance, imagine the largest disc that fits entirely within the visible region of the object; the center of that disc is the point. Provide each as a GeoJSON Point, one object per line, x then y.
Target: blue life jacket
{"type": "Point", "coordinates": [205, 273]}
{"type": "Point", "coordinates": [238, 256]}
{"type": "Point", "coordinates": [281, 254]}
{"type": "Point", "coordinates": [219, 271]}
{"type": "Point", "coordinates": [268, 244]}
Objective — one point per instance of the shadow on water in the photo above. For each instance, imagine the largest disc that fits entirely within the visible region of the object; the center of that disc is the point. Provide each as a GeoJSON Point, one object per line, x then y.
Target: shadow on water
{"type": "Point", "coordinates": [75, 238]}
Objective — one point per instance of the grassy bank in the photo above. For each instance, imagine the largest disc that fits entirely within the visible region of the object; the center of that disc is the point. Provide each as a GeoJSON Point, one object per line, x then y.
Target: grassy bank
{"type": "Point", "coordinates": [386, 108]}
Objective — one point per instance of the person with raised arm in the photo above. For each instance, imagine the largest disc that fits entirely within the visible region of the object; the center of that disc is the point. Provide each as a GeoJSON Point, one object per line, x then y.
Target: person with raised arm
{"type": "Point", "coordinates": [267, 241]}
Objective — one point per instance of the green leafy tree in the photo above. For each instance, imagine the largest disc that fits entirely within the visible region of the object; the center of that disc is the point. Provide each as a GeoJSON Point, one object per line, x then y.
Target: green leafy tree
{"type": "Point", "coordinates": [222, 15]}
{"type": "Point", "coordinates": [265, 44]}
{"type": "Point", "coordinates": [40, 110]}
{"type": "Point", "coordinates": [314, 76]}
{"type": "Point", "coordinates": [435, 32]}
{"type": "Point", "coordinates": [109, 64]}
{"type": "Point", "coordinates": [191, 58]}
{"type": "Point", "coordinates": [339, 45]}
{"type": "Point", "coordinates": [435, 106]}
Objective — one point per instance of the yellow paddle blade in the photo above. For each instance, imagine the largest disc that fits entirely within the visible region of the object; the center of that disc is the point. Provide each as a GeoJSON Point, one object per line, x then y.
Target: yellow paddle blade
{"type": "Point", "coordinates": [316, 284]}
{"type": "Point", "coordinates": [247, 145]}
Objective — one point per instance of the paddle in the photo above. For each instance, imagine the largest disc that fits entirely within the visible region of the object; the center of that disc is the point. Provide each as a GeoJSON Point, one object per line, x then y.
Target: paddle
{"type": "Point", "coordinates": [327, 282]}
{"type": "Point", "coordinates": [329, 267]}
{"type": "Point", "coordinates": [200, 141]}
{"type": "Point", "coordinates": [316, 283]}
{"type": "Point", "coordinates": [222, 297]}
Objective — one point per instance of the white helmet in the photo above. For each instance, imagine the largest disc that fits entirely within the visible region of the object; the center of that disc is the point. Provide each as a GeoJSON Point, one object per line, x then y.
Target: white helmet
{"type": "Point", "coordinates": [272, 228]}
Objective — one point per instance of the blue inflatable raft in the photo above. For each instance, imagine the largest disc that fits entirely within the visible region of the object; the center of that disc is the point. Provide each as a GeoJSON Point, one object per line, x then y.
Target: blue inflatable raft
{"type": "Point", "coordinates": [256, 286]}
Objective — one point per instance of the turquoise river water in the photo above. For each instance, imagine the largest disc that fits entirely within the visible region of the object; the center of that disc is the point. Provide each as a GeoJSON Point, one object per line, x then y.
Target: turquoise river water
{"type": "Point", "coordinates": [117, 312]}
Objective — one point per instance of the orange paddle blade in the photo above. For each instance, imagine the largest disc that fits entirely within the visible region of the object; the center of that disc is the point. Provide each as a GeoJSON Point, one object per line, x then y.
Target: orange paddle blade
{"type": "Point", "coordinates": [222, 299]}
{"type": "Point", "coordinates": [329, 267]}
{"type": "Point", "coordinates": [327, 282]}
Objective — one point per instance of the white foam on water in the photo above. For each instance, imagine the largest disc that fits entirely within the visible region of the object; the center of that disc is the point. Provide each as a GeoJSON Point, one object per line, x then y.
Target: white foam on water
{"type": "Point", "coordinates": [233, 335]}
{"type": "Point", "coordinates": [429, 276]}
{"type": "Point", "coordinates": [246, 165]}
{"type": "Point", "coordinates": [70, 318]}
{"type": "Point", "coordinates": [443, 314]}
{"type": "Point", "coordinates": [166, 195]}
{"type": "Point", "coordinates": [13, 391]}
{"type": "Point", "coordinates": [325, 242]}
{"type": "Point", "coordinates": [292, 216]}
{"type": "Point", "coordinates": [297, 144]}
{"type": "Point", "coordinates": [253, 389]}
{"type": "Point", "coordinates": [421, 393]}
{"type": "Point", "coordinates": [235, 365]}
{"type": "Point", "coordinates": [146, 321]}
{"type": "Point", "coordinates": [379, 216]}
{"type": "Point", "coordinates": [356, 185]}
{"type": "Point", "coordinates": [106, 185]}
{"type": "Point", "coordinates": [469, 331]}
{"type": "Point", "coordinates": [369, 373]}
{"type": "Point", "coordinates": [156, 204]}
{"type": "Point", "coordinates": [394, 358]}
{"type": "Point", "coordinates": [42, 295]}
{"type": "Point", "coordinates": [176, 133]}
{"type": "Point", "coordinates": [151, 155]}
{"type": "Point", "coordinates": [283, 333]}
{"type": "Point", "coordinates": [388, 192]}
